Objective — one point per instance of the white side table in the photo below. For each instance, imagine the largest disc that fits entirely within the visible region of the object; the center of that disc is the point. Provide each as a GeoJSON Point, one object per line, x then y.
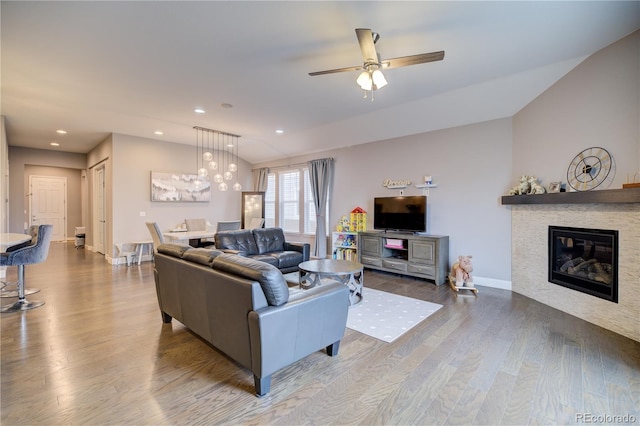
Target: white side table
{"type": "Point", "coordinates": [140, 245]}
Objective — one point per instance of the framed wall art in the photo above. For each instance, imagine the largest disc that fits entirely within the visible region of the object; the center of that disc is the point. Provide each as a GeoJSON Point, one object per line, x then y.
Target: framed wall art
{"type": "Point", "coordinates": [179, 187]}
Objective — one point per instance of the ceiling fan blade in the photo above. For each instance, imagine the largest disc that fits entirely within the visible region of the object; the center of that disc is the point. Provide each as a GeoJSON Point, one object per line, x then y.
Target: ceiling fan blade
{"type": "Point", "coordinates": [367, 46]}
{"type": "Point", "coordinates": [404, 61]}
{"type": "Point", "coordinates": [359, 67]}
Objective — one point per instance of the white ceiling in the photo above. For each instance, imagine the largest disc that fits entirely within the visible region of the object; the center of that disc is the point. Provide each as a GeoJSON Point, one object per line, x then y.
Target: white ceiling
{"type": "Point", "coordinates": [93, 68]}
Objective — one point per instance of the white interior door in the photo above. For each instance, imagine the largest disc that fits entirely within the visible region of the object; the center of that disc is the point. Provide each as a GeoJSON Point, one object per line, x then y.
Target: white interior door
{"type": "Point", "coordinates": [100, 217]}
{"type": "Point", "coordinates": [49, 204]}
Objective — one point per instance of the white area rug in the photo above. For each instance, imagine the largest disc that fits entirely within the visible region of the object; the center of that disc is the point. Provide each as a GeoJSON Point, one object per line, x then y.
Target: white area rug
{"type": "Point", "coordinates": [387, 316]}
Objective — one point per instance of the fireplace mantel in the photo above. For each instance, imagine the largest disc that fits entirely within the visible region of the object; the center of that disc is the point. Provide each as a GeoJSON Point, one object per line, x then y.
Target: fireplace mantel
{"type": "Point", "coordinates": [605, 196]}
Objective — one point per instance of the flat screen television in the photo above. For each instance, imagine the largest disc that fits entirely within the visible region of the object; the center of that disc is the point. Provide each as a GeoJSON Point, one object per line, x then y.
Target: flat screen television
{"type": "Point", "coordinates": [405, 213]}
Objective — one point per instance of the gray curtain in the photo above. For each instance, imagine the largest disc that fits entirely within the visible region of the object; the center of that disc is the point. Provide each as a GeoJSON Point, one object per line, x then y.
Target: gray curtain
{"type": "Point", "coordinates": [260, 177]}
{"type": "Point", "coordinates": [321, 175]}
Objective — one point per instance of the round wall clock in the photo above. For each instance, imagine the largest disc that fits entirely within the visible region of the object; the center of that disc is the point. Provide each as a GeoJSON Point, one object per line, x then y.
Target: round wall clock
{"type": "Point", "coordinates": [590, 168]}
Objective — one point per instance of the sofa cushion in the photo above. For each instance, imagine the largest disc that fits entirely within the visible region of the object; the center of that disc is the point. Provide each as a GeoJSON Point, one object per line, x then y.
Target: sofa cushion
{"type": "Point", "coordinates": [202, 256]}
{"type": "Point", "coordinates": [269, 239]}
{"type": "Point", "coordinates": [242, 241]}
{"type": "Point", "coordinates": [173, 249]}
{"type": "Point", "coordinates": [271, 260]}
{"type": "Point", "coordinates": [287, 259]}
{"type": "Point", "coordinates": [270, 278]}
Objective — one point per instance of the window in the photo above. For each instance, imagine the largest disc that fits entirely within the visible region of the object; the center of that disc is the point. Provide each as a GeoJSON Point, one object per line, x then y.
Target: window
{"type": "Point", "coordinates": [289, 201]}
{"type": "Point", "coordinates": [270, 202]}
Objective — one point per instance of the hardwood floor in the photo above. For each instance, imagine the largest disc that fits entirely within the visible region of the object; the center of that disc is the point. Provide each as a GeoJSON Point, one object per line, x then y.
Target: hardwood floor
{"type": "Point", "coordinates": [98, 353]}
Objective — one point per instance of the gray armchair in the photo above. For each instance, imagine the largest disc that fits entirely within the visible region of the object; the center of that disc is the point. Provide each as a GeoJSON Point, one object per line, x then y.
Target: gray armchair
{"type": "Point", "coordinates": [28, 255]}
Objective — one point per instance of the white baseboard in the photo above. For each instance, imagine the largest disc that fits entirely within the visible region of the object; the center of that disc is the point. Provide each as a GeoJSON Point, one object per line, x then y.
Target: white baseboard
{"type": "Point", "coordinates": [491, 282]}
{"type": "Point", "coordinates": [123, 260]}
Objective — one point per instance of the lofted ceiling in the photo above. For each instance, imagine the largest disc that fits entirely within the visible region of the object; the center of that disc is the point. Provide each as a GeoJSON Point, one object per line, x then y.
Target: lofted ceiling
{"type": "Point", "coordinates": [95, 68]}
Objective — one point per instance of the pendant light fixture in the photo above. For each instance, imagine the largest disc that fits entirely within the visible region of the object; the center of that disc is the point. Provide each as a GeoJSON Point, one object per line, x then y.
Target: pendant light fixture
{"type": "Point", "coordinates": [217, 151]}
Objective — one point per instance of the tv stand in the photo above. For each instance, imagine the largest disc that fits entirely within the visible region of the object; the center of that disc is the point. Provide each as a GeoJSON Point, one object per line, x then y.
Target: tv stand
{"type": "Point", "coordinates": [422, 256]}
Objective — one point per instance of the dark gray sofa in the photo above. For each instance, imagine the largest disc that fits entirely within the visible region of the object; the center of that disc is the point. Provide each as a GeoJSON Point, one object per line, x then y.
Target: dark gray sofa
{"type": "Point", "coordinates": [266, 245]}
{"type": "Point", "coordinates": [245, 308]}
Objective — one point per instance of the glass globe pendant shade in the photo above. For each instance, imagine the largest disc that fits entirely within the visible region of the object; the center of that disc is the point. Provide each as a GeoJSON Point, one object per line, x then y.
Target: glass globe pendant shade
{"type": "Point", "coordinates": [237, 186]}
{"type": "Point", "coordinates": [213, 165]}
{"type": "Point", "coordinates": [223, 186]}
{"type": "Point", "coordinates": [207, 156]}
{"type": "Point", "coordinates": [202, 172]}
{"type": "Point", "coordinates": [378, 79]}
{"type": "Point", "coordinates": [217, 178]}
{"type": "Point", "coordinates": [228, 175]}
{"type": "Point", "coordinates": [233, 167]}
{"type": "Point", "coordinates": [364, 81]}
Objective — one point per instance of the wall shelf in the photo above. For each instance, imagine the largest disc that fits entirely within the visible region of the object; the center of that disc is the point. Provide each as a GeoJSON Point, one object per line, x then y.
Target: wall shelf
{"type": "Point", "coordinates": [425, 187]}
{"type": "Point", "coordinates": [605, 196]}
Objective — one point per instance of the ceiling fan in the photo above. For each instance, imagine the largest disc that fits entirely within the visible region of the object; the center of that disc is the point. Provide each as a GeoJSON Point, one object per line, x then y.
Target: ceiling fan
{"type": "Point", "coordinates": [371, 78]}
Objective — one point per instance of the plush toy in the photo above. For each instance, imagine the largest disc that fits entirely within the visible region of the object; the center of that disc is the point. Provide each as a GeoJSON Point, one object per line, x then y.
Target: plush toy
{"type": "Point", "coordinates": [461, 272]}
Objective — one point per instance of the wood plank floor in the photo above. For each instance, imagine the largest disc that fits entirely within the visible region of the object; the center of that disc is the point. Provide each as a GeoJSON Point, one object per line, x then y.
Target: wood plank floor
{"type": "Point", "coordinates": [97, 353]}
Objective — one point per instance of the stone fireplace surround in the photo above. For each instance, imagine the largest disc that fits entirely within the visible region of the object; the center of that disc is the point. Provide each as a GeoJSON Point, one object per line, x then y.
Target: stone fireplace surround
{"type": "Point", "coordinates": [530, 220]}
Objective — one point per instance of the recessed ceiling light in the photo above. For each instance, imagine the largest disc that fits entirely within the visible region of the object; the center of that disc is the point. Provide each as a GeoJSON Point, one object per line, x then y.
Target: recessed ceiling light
{"type": "Point", "coordinates": [159, 132]}
{"type": "Point", "coordinates": [54, 144]}
{"type": "Point", "coordinates": [199, 111]}
{"type": "Point", "coordinates": [61, 132]}
{"type": "Point", "coordinates": [279, 131]}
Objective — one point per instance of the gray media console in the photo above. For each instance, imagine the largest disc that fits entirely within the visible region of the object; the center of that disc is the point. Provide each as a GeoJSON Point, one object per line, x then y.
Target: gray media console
{"type": "Point", "coordinates": [423, 256]}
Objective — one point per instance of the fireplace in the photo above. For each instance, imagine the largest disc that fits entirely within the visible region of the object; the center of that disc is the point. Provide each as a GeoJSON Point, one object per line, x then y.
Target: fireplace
{"type": "Point", "coordinates": [585, 260]}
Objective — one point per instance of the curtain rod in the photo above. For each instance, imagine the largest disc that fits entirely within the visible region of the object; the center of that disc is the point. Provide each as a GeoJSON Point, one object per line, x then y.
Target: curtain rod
{"type": "Point", "coordinates": [204, 129]}
{"type": "Point", "coordinates": [291, 165]}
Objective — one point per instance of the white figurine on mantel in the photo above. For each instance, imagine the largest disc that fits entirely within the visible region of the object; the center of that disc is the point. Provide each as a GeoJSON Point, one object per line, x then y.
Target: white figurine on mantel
{"type": "Point", "coordinates": [527, 185]}
{"type": "Point", "coordinates": [460, 277]}
{"type": "Point", "coordinates": [535, 187]}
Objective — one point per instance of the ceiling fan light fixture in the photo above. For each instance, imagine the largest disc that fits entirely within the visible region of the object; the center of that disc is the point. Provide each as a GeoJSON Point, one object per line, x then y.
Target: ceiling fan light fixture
{"type": "Point", "coordinates": [371, 78]}
{"type": "Point", "coordinates": [365, 81]}
{"type": "Point", "coordinates": [378, 79]}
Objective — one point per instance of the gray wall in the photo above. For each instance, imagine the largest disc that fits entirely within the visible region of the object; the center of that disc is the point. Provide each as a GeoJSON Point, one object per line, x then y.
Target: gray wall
{"type": "Point", "coordinates": [51, 163]}
{"type": "Point", "coordinates": [134, 159]}
{"type": "Point", "coordinates": [4, 177]}
{"type": "Point", "coordinates": [471, 166]}
{"type": "Point", "coordinates": [596, 104]}
{"type": "Point", "coordinates": [75, 199]}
